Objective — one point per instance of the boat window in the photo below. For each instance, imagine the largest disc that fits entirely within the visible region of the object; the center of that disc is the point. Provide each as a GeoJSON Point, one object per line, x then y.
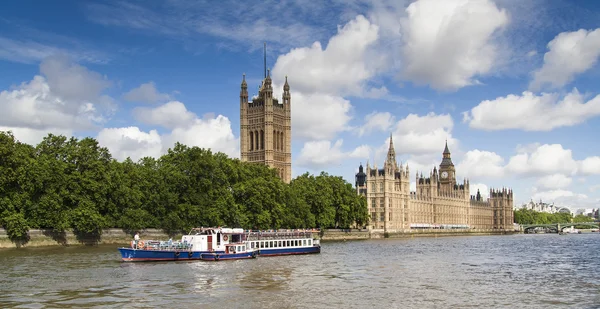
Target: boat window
{"type": "Point", "coordinates": [287, 243]}
{"type": "Point", "coordinates": [296, 243]}
{"type": "Point", "coordinates": [279, 243]}
{"type": "Point", "coordinates": [262, 244]}
{"type": "Point", "coordinates": [270, 244]}
{"type": "Point", "coordinates": [304, 242]}
{"type": "Point", "coordinates": [309, 241]}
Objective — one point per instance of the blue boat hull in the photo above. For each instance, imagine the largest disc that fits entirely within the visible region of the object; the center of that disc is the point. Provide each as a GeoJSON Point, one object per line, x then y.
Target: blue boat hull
{"type": "Point", "coordinates": [289, 251]}
{"type": "Point", "coordinates": [133, 255]}
{"type": "Point", "coordinates": [229, 256]}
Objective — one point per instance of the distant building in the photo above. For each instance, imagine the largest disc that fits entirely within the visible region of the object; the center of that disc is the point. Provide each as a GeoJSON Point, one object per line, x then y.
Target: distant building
{"type": "Point", "coordinates": [544, 207]}
{"type": "Point", "coordinates": [438, 202]}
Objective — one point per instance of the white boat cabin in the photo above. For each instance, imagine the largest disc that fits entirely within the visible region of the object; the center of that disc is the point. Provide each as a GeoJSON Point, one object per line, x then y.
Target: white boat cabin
{"type": "Point", "coordinates": [213, 239]}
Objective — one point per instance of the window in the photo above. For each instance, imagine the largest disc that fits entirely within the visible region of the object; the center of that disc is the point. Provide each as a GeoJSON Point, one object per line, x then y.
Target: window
{"type": "Point", "coordinates": [309, 241]}
{"type": "Point", "coordinates": [390, 216]}
{"type": "Point", "coordinates": [304, 242]}
{"type": "Point", "coordinates": [373, 216]}
{"type": "Point", "coordinates": [381, 202]}
{"type": "Point", "coordinates": [373, 202]}
{"type": "Point", "coordinates": [382, 217]}
{"type": "Point", "coordinates": [381, 187]}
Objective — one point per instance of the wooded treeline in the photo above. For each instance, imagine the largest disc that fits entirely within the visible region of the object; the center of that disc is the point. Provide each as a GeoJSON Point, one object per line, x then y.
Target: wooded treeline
{"type": "Point", "coordinates": [528, 216]}
{"type": "Point", "coordinates": [66, 183]}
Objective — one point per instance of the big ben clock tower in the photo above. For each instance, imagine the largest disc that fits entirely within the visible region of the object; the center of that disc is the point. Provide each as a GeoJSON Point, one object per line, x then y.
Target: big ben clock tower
{"type": "Point", "coordinates": [447, 172]}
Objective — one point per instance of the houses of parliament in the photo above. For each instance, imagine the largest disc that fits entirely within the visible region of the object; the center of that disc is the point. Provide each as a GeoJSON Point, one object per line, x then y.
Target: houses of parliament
{"type": "Point", "coordinates": [439, 201]}
{"type": "Point", "coordinates": [266, 127]}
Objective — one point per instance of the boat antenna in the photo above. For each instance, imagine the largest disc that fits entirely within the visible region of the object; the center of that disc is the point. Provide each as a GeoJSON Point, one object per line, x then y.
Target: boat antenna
{"type": "Point", "coordinates": [265, 58]}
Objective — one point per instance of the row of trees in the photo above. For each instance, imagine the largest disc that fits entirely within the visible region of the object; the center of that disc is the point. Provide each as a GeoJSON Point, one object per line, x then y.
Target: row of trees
{"type": "Point", "coordinates": [66, 183]}
{"type": "Point", "coordinates": [528, 216]}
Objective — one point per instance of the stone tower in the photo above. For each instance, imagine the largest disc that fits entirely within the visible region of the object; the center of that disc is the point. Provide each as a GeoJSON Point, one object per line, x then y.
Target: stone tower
{"type": "Point", "coordinates": [266, 128]}
{"type": "Point", "coordinates": [447, 171]}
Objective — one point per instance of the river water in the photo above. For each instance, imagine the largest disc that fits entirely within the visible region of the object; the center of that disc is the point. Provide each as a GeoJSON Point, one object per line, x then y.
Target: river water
{"type": "Point", "coordinates": [518, 271]}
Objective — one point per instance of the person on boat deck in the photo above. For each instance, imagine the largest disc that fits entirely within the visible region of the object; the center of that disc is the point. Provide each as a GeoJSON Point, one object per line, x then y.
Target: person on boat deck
{"type": "Point", "coordinates": [136, 239]}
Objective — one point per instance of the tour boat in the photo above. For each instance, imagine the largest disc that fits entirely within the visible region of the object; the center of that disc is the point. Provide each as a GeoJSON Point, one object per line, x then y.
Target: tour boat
{"type": "Point", "coordinates": [221, 243]}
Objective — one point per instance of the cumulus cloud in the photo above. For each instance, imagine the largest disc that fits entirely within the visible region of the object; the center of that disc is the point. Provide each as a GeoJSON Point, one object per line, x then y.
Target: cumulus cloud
{"type": "Point", "coordinates": [130, 142]}
{"type": "Point", "coordinates": [319, 116]}
{"type": "Point", "coordinates": [169, 115]}
{"type": "Point", "coordinates": [339, 68]}
{"type": "Point", "coordinates": [213, 132]}
{"type": "Point", "coordinates": [564, 198]}
{"type": "Point", "coordinates": [319, 154]}
{"type": "Point", "coordinates": [590, 166]}
{"type": "Point", "coordinates": [146, 93]}
{"type": "Point", "coordinates": [532, 112]}
{"type": "Point", "coordinates": [320, 78]}
{"type": "Point", "coordinates": [554, 181]}
{"type": "Point", "coordinates": [426, 134]}
{"type": "Point", "coordinates": [569, 54]}
{"type": "Point", "coordinates": [376, 121]}
{"type": "Point", "coordinates": [66, 98]}
{"type": "Point", "coordinates": [546, 159]}
{"type": "Point", "coordinates": [448, 43]}
{"type": "Point", "coordinates": [481, 164]}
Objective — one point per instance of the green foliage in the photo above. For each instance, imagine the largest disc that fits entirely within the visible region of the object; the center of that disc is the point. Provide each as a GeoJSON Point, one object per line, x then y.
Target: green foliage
{"type": "Point", "coordinates": [16, 227]}
{"type": "Point", "coordinates": [582, 218]}
{"type": "Point", "coordinates": [528, 216]}
{"type": "Point", "coordinates": [68, 183]}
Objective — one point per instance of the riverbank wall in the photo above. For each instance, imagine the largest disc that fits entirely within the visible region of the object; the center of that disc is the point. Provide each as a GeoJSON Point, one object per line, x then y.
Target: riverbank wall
{"type": "Point", "coordinates": [38, 238]}
{"type": "Point", "coordinates": [359, 234]}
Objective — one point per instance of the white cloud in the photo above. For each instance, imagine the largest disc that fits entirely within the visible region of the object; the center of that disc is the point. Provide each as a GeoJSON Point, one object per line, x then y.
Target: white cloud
{"type": "Point", "coordinates": [69, 98]}
{"type": "Point", "coordinates": [146, 93]}
{"type": "Point", "coordinates": [339, 68]}
{"type": "Point", "coordinates": [595, 188]}
{"type": "Point", "coordinates": [319, 116]}
{"type": "Point", "coordinates": [34, 136]}
{"type": "Point", "coordinates": [569, 54]}
{"type": "Point", "coordinates": [169, 115]}
{"type": "Point", "coordinates": [320, 79]}
{"type": "Point", "coordinates": [481, 164]}
{"type": "Point", "coordinates": [130, 142]}
{"type": "Point", "coordinates": [563, 198]}
{"type": "Point", "coordinates": [71, 81]}
{"type": "Point", "coordinates": [449, 43]}
{"type": "Point", "coordinates": [484, 191]}
{"type": "Point", "coordinates": [423, 134]}
{"type": "Point", "coordinates": [214, 133]}
{"type": "Point", "coordinates": [376, 121]}
{"type": "Point", "coordinates": [590, 165]}
{"type": "Point", "coordinates": [546, 159]}
{"type": "Point", "coordinates": [318, 154]}
{"type": "Point", "coordinates": [554, 181]}
{"type": "Point", "coordinates": [532, 112]}
{"type": "Point", "coordinates": [211, 131]}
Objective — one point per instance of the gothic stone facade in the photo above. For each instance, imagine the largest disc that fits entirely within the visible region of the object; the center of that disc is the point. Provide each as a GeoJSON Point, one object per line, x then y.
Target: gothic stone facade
{"type": "Point", "coordinates": [266, 128]}
{"type": "Point", "coordinates": [439, 201]}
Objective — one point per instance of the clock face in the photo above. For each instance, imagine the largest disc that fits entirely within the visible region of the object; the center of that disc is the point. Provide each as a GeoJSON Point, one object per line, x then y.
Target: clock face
{"type": "Point", "coordinates": [444, 174]}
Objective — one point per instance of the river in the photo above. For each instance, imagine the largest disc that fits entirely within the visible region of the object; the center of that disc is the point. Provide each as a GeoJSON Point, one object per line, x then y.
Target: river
{"type": "Point", "coordinates": [517, 271]}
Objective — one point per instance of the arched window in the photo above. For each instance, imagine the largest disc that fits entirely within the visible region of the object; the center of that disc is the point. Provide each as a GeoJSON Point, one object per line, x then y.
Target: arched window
{"type": "Point", "coordinates": [256, 140]}
{"type": "Point", "coordinates": [281, 141]}
{"type": "Point", "coordinates": [251, 140]}
{"type": "Point", "coordinates": [262, 139]}
{"type": "Point", "coordinates": [274, 140]}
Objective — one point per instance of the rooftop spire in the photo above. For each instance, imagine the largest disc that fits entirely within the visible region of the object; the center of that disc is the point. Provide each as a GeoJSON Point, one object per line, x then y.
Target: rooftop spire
{"type": "Point", "coordinates": [265, 58]}
{"type": "Point", "coordinates": [446, 150]}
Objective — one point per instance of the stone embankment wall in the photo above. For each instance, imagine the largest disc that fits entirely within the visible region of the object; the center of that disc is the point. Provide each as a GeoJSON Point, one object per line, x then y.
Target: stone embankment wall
{"type": "Point", "coordinates": [38, 238]}
{"type": "Point", "coordinates": [356, 234]}
{"type": "Point", "coordinates": [117, 236]}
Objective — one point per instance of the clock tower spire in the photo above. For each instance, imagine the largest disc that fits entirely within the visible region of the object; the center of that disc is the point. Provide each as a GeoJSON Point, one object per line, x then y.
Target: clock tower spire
{"type": "Point", "coordinates": [447, 171]}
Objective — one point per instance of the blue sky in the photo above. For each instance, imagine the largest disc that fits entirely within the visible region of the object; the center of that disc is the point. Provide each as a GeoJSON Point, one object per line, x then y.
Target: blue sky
{"type": "Point", "coordinates": [512, 85]}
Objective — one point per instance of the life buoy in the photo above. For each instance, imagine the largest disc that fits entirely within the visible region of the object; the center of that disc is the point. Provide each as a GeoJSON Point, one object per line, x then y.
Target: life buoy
{"type": "Point", "coordinates": [141, 244]}
{"type": "Point", "coordinates": [225, 238]}
{"type": "Point", "coordinates": [190, 254]}
{"type": "Point", "coordinates": [253, 254]}
{"type": "Point", "coordinates": [216, 257]}
{"type": "Point", "coordinates": [177, 254]}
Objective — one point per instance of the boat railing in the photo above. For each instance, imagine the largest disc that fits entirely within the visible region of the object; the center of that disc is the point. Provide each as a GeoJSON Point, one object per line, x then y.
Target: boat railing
{"type": "Point", "coordinates": [168, 245]}
{"type": "Point", "coordinates": [279, 234]}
